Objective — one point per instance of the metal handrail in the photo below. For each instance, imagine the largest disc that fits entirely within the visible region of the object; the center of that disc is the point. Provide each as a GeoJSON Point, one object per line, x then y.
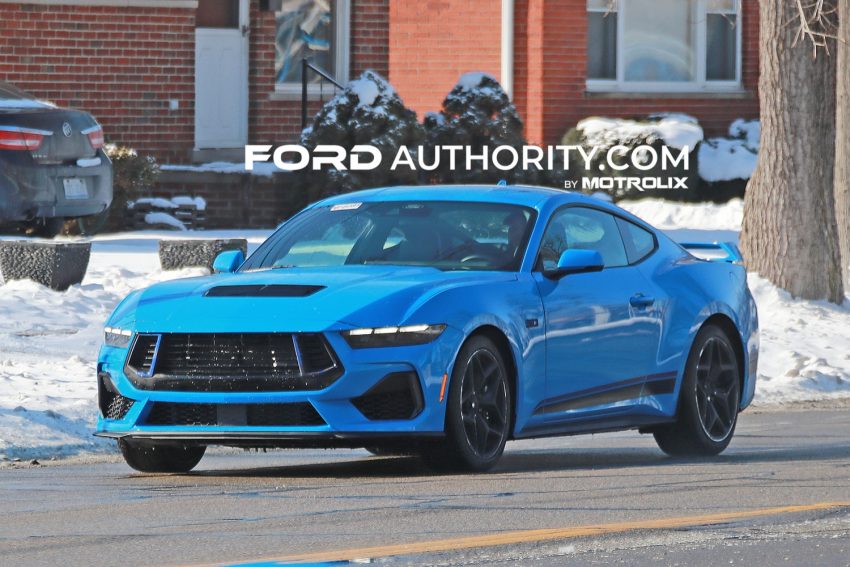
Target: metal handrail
{"type": "Point", "coordinates": [306, 67]}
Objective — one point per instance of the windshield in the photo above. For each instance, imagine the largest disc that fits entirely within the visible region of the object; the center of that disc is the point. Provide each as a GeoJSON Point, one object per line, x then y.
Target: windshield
{"type": "Point", "coordinates": [443, 235]}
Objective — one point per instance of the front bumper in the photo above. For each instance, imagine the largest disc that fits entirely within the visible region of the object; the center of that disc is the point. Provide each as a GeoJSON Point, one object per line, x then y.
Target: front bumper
{"type": "Point", "coordinates": [346, 413]}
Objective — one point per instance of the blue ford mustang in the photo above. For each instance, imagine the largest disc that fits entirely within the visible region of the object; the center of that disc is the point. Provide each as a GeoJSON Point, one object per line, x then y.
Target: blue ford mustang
{"type": "Point", "coordinates": [438, 321]}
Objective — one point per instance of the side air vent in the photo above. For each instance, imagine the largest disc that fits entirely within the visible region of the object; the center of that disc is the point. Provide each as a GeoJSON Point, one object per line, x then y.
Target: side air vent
{"type": "Point", "coordinates": [397, 396]}
{"type": "Point", "coordinates": [112, 404]}
{"type": "Point", "coordinates": [263, 290]}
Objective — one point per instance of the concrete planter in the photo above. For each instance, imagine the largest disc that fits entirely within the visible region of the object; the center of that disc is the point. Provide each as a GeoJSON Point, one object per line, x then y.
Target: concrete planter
{"type": "Point", "coordinates": [57, 265]}
{"type": "Point", "coordinates": [177, 254]}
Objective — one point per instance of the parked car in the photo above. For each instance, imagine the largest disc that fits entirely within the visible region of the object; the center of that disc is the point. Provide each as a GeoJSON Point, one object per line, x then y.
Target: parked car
{"type": "Point", "coordinates": [52, 164]}
{"type": "Point", "coordinates": [442, 321]}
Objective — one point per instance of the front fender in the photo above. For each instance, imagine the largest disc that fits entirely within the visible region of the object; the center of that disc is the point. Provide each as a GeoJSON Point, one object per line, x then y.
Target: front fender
{"type": "Point", "coordinates": [512, 308]}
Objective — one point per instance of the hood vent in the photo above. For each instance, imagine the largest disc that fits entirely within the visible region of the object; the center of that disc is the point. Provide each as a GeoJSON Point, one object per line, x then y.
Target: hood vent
{"type": "Point", "coordinates": [274, 290]}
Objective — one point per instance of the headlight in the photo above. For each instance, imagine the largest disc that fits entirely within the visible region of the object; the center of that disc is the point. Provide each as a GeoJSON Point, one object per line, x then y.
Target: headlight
{"type": "Point", "coordinates": [392, 336]}
{"type": "Point", "coordinates": [115, 337]}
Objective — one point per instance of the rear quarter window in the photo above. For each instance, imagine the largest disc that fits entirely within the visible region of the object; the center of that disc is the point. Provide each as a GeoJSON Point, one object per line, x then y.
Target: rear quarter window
{"type": "Point", "coordinates": [639, 242]}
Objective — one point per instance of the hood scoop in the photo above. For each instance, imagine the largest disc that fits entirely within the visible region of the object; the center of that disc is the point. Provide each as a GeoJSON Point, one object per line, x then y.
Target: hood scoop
{"type": "Point", "coordinates": [270, 290]}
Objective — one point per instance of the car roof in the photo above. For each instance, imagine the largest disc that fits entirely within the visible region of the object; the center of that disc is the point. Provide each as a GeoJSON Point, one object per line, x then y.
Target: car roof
{"type": "Point", "coordinates": [525, 195]}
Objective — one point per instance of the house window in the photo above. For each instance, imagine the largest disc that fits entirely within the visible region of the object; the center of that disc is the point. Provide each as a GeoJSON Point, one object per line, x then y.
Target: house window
{"type": "Point", "coordinates": [316, 29]}
{"type": "Point", "coordinates": [663, 45]}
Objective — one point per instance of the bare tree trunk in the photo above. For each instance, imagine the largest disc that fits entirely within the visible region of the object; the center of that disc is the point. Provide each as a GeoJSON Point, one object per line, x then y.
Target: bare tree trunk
{"type": "Point", "coordinates": [789, 233]}
{"type": "Point", "coordinates": [842, 138]}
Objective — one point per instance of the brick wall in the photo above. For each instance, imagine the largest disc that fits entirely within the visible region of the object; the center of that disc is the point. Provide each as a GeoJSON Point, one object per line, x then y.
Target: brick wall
{"type": "Point", "coordinates": [124, 64]}
{"type": "Point", "coordinates": [234, 200]}
{"type": "Point", "coordinates": [121, 64]}
{"type": "Point", "coordinates": [433, 42]}
{"type": "Point", "coordinates": [273, 120]}
{"type": "Point", "coordinates": [550, 63]}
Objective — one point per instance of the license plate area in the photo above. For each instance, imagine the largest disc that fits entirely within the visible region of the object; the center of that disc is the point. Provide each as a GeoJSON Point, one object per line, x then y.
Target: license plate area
{"type": "Point", "coordinates": [75, 188]}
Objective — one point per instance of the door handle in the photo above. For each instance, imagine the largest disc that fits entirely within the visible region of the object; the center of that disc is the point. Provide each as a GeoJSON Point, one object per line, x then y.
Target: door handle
{"type": "Point", "coordinates": [641, 301]}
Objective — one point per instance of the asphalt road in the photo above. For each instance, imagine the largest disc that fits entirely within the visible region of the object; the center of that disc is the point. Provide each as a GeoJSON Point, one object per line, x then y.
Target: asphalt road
{"type": "Point", "coordinates": [605, 499]}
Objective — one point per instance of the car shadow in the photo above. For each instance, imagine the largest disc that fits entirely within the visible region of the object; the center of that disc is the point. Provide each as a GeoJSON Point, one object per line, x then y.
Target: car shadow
{"type": "Point", "coordinates": [532, 461]}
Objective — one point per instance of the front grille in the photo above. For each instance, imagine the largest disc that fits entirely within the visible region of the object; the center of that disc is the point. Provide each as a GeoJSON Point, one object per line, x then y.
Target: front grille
{"type": "Point", "coordinates": [257, 415]}
{"type": "Point", "coordinates": [397, 396]}
{"type": "Point", "coordinates": [232, 362]}
{"type": "Point", "coordinates": [144, 354]}
{"type": "Point", "coordinates": [164, 413]}
{"type": "Point", "coordinates": [112, 404]}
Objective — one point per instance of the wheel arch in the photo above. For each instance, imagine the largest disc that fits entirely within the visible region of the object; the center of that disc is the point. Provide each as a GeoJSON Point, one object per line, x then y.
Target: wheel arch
{"type": "Point", "coordinates": [503, 344]}
{"type": "Point", "coordinates": [727, 325]}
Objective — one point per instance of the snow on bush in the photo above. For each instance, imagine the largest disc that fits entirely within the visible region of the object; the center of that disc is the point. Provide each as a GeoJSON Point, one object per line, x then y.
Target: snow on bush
{"type": "Point", "coordinates": [477, 113]}
{"type": "Point", "coordinates": [735, 157]}
{"type": "Point", "coordinates": [666, 132]}
{"type": "Point", "coordinates": [366, 111]}
{"type": "Point", "coordinates": [675, 130]}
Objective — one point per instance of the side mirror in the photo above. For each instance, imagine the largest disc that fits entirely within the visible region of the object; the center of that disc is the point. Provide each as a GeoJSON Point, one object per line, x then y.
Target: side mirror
{"type": "Point", "coordinates": [228, 261]}
{"type": "Point", "coordinates": [577, 261]}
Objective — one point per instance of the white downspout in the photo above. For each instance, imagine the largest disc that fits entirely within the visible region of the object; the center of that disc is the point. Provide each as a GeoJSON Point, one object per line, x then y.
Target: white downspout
{"type": "Point", "coordinates": [507, 72]}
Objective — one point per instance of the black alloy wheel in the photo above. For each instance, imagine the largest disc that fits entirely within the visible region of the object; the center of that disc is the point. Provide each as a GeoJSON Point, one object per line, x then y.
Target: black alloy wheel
{"type": "Point", "coordinates": [709, 398]}
{"type": "Point", "coordinates": [478, 410]}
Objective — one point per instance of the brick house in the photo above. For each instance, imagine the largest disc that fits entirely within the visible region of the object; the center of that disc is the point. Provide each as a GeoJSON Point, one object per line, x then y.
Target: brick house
{"type": "Point", "coordinates": [194, 80]}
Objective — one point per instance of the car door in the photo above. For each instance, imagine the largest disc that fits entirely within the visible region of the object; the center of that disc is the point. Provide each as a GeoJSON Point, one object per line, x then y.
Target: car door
{"type": "Point", "coordinates": [601, 335]}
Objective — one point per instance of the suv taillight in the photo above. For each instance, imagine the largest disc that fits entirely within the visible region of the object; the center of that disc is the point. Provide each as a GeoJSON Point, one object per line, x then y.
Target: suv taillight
{"type": "Point", "coordinates": [95, 134]}
{"type": "Point", "coordinates": [15, 138]}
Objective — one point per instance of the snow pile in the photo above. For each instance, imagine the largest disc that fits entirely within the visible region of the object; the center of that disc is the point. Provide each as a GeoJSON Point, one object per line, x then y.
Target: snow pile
{"type": "Point", "coordinates": [669, 215]}
{"type": "Point", "coordinates": [174, 203]}
{"type": "Point", "coordinates": [168, 212]}
{"type": "Point", "coordinates": [675, 130]}
{"type": "Point", "coordinates": [262, 169]}
{"type": "Point", "coordinates": [49, 342]}
{"type": "Point", "coordinates": [805, 346]}
{"type": "Point", "coordinates": [159, 218]}
{"type": "Point", "coordinates": [735, 157]}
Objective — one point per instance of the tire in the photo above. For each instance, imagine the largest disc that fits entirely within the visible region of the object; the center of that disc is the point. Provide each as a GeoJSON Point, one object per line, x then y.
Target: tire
{"type": "Point", "coordinates": [478, 411]}
{"type": "Point", "coordinates": [708, 401]}
{"type": "Point", "coordinates": [157, 458]}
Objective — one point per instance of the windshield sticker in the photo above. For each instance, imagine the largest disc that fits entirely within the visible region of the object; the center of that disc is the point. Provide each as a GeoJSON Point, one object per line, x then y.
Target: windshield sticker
{"type": "Point", "coordinates": [346, 207]}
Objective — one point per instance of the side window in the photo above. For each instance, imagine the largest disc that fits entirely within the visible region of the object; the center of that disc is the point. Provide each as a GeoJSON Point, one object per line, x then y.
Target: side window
{"type": "Point", "coordinates": [586, 229]}
{"type": "Point", "coordinates": [639, 242]}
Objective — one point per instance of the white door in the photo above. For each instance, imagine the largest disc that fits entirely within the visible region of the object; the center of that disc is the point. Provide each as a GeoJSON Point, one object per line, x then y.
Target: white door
{"type": "Point", "coordinates": [221, 74]}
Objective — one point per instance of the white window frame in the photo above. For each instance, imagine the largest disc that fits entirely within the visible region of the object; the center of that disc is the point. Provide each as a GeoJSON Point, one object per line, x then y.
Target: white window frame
{"type": "Point", "coordinates": [342, 54]}
{"type": "Point", "coordinates": [700, 84]}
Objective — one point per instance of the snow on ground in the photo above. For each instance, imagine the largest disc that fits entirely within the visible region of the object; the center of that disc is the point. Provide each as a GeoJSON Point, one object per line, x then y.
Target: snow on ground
{"type": "Point", "coordinates": [49, 340]}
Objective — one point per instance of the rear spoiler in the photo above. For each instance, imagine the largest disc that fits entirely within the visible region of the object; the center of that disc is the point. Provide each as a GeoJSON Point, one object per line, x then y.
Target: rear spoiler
{"type": "Point", "coordinates": [716, 251]}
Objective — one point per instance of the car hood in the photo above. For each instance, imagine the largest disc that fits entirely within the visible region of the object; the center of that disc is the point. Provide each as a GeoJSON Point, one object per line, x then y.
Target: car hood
{"type": "Point", "coordinates": [349, 296]}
